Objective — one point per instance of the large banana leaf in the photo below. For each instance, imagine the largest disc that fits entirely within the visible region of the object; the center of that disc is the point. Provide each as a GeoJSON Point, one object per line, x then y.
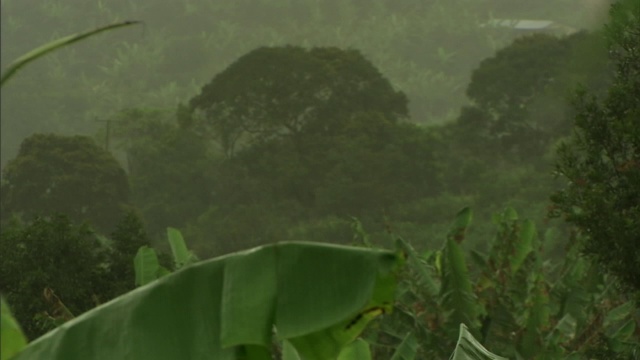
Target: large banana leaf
{"type": "Point", "coordinates": [212, 309]}
{"type": "Point", "coordinates": [49, 47]}
{"type": "Point", "coordinates": [524, 245]}
{"type": "Point", "coordinates": [457, 294]}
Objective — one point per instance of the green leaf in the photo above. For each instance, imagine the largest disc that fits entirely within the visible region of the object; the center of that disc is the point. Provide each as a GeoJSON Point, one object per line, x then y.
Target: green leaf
{"type": "Point", "coordinates": [289, 352]}
{"type": "Point", "coordinates": [457, 293]}
{"type": "Point", "coordinates": [307, 291]}
{"type": "Point", "coordinates": [510, 214]}
{"type": "Point", "coordinates": [524, 246]}
{"type": "Point", "coordinates": [51, 46]}
{"type": "Point", "coordinates": [468, 348]}
{"type": "Point", "coordinates": [619, 323]}
{"type": "Point", "coordinates": [181, 254]}
{"type": "Point", "coordinates": [357, 350]}
{"type": "Point", "coordinates": [537, 320]}
{"type": "Point", "coordinates": [460, 224]}
{"type": "Point", "coordinates": [249, 310]}
{"type": "Point", "coordinates": [146, 266]}
{"type": "Point", "coordinates": [407, 349]}
{"type": "Point", "coordinates": [564, 330]}
{"type": "Point", "coordinates": [328, 344]}
{"type": "Point", "coordinates": [11, 336]}
{"type": "Point", "coordinates": [622, 312]}
{"type": "Point", "coordinates": [426, 279]}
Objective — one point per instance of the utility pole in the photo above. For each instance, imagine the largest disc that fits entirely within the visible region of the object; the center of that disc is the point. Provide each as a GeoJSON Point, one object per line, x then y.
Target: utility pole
{"type": "Point", "coordinates": [108, 132]}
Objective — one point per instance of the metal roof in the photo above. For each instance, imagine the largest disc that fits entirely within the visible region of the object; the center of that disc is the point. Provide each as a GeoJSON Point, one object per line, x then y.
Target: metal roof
{"type": "Point", "coordinates": [529, 25]}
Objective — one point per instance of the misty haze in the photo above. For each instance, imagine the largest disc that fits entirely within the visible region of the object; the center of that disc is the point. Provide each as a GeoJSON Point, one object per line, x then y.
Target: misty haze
{"type": "Point", "coordinates": [414, 178]}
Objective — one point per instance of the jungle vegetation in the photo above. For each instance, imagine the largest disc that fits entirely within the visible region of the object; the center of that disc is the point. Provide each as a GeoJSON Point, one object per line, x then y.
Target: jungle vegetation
{"type": "Point", "coordinates": [343, 123]}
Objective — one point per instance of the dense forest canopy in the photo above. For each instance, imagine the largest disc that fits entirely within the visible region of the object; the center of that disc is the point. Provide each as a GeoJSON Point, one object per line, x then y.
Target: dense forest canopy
{"type": "Point", "coordinates": [427, 49]}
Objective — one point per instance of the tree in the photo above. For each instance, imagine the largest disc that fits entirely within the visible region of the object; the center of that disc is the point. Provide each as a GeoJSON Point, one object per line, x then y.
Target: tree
{"type": "Point", "coordinates": [170, 169]}
{"type": "Point", "coordinates": [602, 160]}
{"type": "Point", "coordinates": [126, 239]}
{"type": "Point", "coordinates": [65, 174]}
{"type": "Point", "coordinates": [523, 86]}
{"type": "Point", "coordinates": [51, 253]}
{"type": "Point", "coordinates": [275, 92]}
{"type": "Point", "coordinates": [82, 268]}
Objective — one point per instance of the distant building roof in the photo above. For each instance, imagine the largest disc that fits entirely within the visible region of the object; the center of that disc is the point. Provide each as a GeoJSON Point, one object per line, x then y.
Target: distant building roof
{"type": "Point", "coordinates": [531, 25]}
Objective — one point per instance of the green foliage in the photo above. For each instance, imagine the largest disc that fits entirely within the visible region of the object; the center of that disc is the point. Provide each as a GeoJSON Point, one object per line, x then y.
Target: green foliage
{"type": "Point", "coordinates": [11, 336]}
{"type": "Point", "coordinates": [181, 255]}
{"type": "Point", "coordinates": [602, 160]}
{"type": "Point", "coordinates": [125, 241]}
{"type": "Point", "coordinates": [35, 257]}
{"type": "Point", "coordinates": [147, 266]}
{"type": "Point", "coordinates": [456, 295]}
{"type": "Point", "coordinates": [170, 170]}
{"type": "Point", "coordinates": [519, 305]}
{"type": "Point", "coordinates": [468, 348]}
{"type": "Point", "coordinates": [519, 93]}
{"type": "Point", "coordinates": [337, 151]}
{"type": "Point", "coordinates": [65, 174]}
{"type": "Point", "coordinates": [407, 349]}
{"type": "Point", "coordinates": [278, 92]}
{"type": "Point", "coordinates": [234, 308]}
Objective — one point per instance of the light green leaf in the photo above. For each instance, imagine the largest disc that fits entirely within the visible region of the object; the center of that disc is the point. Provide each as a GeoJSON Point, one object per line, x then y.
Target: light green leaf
{"type": "Point", "coordinates": [12, 340]}
{"type": "Point", "coordinates": [468, 348]}
{"type": "Point", "coordinates": [407, 349]}
{"type": "Point", "coordinates": [307, 291]}
{"type": "Point", "coordinates": [49, 47]}
{"type": "Point", "coordinates": [524, 246]}
{"type": "Point", "coordinates": [146, 265]}
{"type": "Point", "coordinates": [181, 254]}
{"type": "Point", "coordinates": [357, 350]}
{"type": "Point", "coordinates": [289, 352]}
{"type": "Point", "coordinates": [564, 330]}
{"type": "Point", "coordinates": [457, 293]}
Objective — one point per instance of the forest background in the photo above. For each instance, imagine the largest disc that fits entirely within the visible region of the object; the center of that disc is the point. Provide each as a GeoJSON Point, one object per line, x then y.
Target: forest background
{"type": "Point", "coordinates": [469, 132]}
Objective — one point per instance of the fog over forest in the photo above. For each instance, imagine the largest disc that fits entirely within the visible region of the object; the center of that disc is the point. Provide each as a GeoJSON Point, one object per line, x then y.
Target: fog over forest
{"type": "Point", "coordinates": [426, 48]}
{"type": "Point", "coordinates": [494, 145]}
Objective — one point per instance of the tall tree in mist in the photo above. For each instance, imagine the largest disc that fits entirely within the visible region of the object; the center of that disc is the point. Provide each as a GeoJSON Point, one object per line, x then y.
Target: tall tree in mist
{"type": "Point", "coordinates": [65, 174]}
{"type": "Point", "coordinates": [602, 160]}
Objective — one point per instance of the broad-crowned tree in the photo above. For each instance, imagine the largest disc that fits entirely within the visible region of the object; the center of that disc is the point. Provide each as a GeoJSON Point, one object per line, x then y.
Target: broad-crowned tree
{"type": "Point", "coordinates": [602, 160]}
{"type": "Point", "coordinates": [65, 174]}
{"type": "Point", "coordinates": [275, 92]}
{"type": "Point", "coordinates": [521, 91]}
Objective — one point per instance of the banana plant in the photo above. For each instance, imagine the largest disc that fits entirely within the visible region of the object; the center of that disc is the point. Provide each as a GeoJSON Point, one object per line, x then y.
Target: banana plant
{"type": "Point", "coordinates": [318, 297]}
{"type": "Point", "coordinates": [147, 267]}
